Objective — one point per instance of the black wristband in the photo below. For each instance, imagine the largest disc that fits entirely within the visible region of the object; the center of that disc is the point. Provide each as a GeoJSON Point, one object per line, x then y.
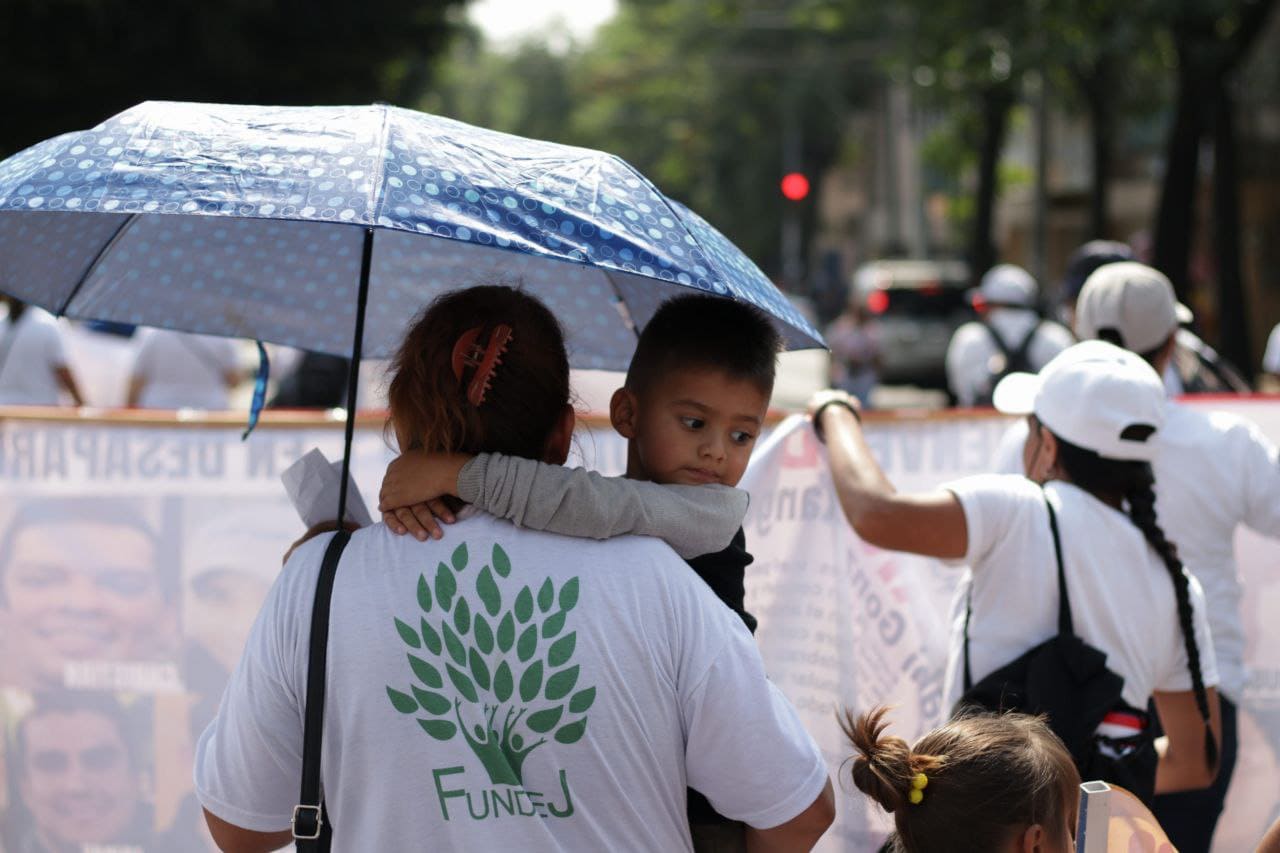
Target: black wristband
{"type": "Point", "coordinates": [835, 401]}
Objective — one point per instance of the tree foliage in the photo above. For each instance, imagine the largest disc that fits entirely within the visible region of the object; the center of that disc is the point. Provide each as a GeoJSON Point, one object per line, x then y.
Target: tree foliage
{"type": "Point", "coordinates": [67, 64]}
{"type": "Point", "coordinates": [697, 94]}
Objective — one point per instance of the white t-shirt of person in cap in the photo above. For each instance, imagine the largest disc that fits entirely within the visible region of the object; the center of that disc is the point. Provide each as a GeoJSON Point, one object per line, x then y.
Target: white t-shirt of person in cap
{"type": "Point", "coordinates": [1122, 597]}
{"type": "Point", "coordinates": [505, 688]}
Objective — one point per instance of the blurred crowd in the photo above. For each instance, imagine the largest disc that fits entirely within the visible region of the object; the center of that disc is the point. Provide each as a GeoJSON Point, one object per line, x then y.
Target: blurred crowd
{"type": "Point", "coordinates": [917, 323]}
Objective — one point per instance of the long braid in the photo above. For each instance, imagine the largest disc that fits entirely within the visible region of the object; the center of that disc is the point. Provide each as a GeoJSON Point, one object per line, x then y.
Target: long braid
{"type": "Point", "coordinates": [1142, 511]}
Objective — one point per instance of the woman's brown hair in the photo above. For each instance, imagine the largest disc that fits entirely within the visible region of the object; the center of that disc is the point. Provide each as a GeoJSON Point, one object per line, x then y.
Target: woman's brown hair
{"type": "Point", "coordinates": [990, 777]}
{"type": "Point", "coordinates": [527, 391]}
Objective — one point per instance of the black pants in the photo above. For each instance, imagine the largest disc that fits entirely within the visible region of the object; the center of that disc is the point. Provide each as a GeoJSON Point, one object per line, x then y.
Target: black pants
{"type": "Point", "coordinates": [1189, 817]}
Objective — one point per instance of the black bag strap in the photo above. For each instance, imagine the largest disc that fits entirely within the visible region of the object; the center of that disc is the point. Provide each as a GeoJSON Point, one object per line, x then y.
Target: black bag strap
{"type": "Point", "coordinates": [1065, 623]}
{"type": "Point", "coordinates": [311, 828]}
{"type": "Point", "coordinates": [1015, 358]}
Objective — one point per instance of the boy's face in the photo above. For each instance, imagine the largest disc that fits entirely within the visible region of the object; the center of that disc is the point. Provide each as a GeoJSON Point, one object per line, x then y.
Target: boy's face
{"type": "Point", "coordinates": [691, 427]}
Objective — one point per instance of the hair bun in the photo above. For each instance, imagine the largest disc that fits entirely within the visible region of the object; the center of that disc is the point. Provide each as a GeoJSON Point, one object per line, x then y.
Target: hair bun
{"type": "Point", "coordinates": [882, 768]}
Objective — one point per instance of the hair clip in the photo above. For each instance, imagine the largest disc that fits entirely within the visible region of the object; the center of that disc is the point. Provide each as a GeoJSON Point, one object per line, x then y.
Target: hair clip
{"type": "Point", "coordinates": [918, 783]}
{"type": "Point", "coordinates": [468, 352]}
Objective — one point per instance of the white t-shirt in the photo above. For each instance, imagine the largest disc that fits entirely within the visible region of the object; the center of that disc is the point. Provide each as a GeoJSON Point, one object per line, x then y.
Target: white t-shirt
{"type": "Point", "coordinates": [618, 636]}
{"type": "Point", "coordinates": [1271, 357]}
{"type": "Point", "coordinates": [1122, 598]}
{"type": "Point", "coordinates": [1213, 471]}
{"type": "Point", "coordinates": [27, 376]}
{"type": "Point", "coordinates": [970, 353]}
{"type": "Point", "coordinates": [182, 370]}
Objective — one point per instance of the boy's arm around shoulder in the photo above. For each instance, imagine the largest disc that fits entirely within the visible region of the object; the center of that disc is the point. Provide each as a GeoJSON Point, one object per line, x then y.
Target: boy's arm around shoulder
{"type": "Point", "coordinates": [693, 520]}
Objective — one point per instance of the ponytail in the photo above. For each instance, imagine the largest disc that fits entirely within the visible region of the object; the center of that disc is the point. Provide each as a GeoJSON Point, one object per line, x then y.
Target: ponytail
{"type": "Point", "coordinates": [968, 785]}
{"type": "Point", "coordinates": [1141, 498]}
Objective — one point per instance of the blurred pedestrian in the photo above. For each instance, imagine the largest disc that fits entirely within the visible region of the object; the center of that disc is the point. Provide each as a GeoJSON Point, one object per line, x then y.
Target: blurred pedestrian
{"type": "Point", "coordinates": [33, 360]}
{"type": "Point", "coordinates": [1197, 368]}
{"type": "Point", "coordinates": [1080, 266]}
{"type": "Point", "coordinates": [981, 783]}
{"type": "Point", "coordinates": [1214, 472]}
{"type": "Point", "coordinates": [177, 370]}
{"type": "Point", "coordinates": [317, 381]}
{"type": "Point", "coordinates": [1067, 564]}
{"type": "Point", "coordinates": [854, 340]}
{"type": "Point", "coordinates": [1009, 337]}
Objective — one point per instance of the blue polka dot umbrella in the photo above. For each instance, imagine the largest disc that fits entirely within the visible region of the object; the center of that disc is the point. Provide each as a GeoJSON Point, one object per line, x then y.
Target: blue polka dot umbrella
{"type": "Point", "coordinates": [329, 228]}
{"type": "Point", "coordinates": [265, 222]}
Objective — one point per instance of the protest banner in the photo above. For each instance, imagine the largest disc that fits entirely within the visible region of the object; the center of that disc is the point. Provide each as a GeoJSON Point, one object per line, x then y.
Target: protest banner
{"type": "Point", "coordinates": [135, 551]}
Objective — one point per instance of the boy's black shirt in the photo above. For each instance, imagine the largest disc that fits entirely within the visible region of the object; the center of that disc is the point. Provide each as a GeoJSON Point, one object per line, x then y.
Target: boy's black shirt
{"type": "Point", "coordinates": [724, 572]}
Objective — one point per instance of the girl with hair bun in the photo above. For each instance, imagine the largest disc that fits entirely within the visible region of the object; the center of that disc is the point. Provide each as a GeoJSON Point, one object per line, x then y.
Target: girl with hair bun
{"type": "Point", "coordinates": [982, 783]}
{"type": "Point", "coordinates": [1073, 603]}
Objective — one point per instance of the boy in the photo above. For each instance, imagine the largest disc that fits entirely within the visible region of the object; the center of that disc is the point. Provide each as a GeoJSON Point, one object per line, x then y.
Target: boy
{"type": "Point", "coordinates": [691, 409]}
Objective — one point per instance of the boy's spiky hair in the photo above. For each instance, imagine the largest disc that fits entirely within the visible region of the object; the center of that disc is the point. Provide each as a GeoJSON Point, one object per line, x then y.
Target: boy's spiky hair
{"type": "Point", "coordinates": [706, 331]}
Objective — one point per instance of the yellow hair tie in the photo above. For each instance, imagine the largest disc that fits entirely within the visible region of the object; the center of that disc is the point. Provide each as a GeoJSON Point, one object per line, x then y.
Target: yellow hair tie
{"type": "Point", "coordinates": [918, 784]}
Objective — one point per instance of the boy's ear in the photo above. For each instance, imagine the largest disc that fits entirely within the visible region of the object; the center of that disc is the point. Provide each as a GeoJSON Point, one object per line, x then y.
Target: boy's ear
{"type": "Point", "coordinates": [622, 413]}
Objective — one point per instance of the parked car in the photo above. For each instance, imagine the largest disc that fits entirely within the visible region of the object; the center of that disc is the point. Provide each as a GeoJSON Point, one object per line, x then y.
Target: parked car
{"type": "Point", "coordinates": [918, 305]}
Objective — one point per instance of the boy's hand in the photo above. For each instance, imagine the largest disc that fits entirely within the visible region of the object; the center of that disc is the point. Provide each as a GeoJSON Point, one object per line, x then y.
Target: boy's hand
{"type": "Point", "coordinates": [409, 499]}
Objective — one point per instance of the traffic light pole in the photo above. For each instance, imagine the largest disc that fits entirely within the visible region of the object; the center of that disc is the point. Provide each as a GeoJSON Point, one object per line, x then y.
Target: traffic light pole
{"type": "Point", "coordinates": [792, 238]}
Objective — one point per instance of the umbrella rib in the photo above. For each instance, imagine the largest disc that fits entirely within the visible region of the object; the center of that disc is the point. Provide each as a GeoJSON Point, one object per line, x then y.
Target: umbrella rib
{"type": "Point", "coordinates": [378, 189]}
{"type": "Point", "coordinates": [93, 265]}
{"type": "Point", "coordinates": [623, 310]}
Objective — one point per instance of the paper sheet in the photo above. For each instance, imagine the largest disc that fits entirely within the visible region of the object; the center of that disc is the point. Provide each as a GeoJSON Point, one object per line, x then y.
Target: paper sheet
{"type": "Point", "coordinates": [313, 483]}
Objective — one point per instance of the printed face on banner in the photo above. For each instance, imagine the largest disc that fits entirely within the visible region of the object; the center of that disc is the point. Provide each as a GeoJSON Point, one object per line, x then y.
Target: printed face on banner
{"type": "Point", "coordinates": [81, 590]}
{"type": "Point", "coordinates": [77, 777]}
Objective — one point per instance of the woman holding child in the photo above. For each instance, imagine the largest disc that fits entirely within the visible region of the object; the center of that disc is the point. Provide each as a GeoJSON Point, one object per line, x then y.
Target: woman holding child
{"type": "Point", "coordinates": [1079, 531]}
{"type": "Point", "coordinates": [509, 683]}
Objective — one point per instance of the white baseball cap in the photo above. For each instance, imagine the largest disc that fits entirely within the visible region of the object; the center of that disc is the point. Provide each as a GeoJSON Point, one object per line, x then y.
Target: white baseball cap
{"type": "Point", "coordinates": [1008, 284]}
{"type": "Point", "coordinates": [1094, 395]}
{"type": "Point", "coordinates": [1133, 300]}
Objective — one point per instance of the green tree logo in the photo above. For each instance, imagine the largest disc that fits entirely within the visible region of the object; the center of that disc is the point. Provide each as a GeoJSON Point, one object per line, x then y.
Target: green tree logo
{"type": "Point", "coordinates": [513, 665]}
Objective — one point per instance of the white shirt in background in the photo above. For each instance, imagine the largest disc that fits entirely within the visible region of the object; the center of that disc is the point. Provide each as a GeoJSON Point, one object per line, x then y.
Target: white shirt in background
{"type": "Point", "coordinates": [970, 353]}
{"type": "Point", "coordinates": [1122, 598]}
{"type": "Point", "coordinates": [181, 370]}
{"type": "Point", "coordinates": [667, 679]}
{"type": "Point", "coordinates": [1214, 471]}
{"type": "Point", "coordinates": [35, 351]}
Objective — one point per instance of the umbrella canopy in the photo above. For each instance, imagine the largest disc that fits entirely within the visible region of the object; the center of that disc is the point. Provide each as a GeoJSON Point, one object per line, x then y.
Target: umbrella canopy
{"type": "Point", "coordinates": [258, 222]}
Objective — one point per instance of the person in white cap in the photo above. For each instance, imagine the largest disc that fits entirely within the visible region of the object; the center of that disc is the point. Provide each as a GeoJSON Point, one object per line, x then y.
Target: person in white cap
{"type": "Point", "coordinates": [1215, 471]}
{"type": "Point", "coordinates": [1009, 337]}
{"type": "Point", "coordinates": [1092, 413]}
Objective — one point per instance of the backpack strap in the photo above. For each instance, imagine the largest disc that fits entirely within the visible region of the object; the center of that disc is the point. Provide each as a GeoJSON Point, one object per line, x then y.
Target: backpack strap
{"type": "Point", "coordinates": [1015, 358]}
{"type": "Point", "coordinates": [1065, 623]}
{"type": "Point", "coordinates": [311, 828]}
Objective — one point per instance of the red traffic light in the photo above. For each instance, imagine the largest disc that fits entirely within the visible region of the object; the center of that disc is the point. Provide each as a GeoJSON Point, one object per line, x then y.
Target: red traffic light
{"type": "Point", "coordinates": [795, 186]}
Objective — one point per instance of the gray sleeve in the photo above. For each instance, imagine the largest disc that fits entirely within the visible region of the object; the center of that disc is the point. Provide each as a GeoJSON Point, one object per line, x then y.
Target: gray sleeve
{"type": "Point", "coordinates": [693, 520]}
